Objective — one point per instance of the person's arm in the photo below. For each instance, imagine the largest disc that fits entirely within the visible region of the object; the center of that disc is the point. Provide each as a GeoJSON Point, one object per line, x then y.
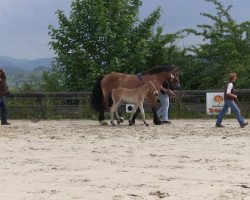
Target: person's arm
{"type": "Point", "coordinates": [164, 90]}
{"type": "Point", "coordinates": [171, 93]}
{"type": "Point", "coordinates": [229, 89]}
{"type": "Point", "coordinates": [168, 91]}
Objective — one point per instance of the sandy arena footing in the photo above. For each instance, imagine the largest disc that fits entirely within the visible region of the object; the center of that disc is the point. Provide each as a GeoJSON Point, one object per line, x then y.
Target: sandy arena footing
{"type": "Point", "coordinates": [68, 159]}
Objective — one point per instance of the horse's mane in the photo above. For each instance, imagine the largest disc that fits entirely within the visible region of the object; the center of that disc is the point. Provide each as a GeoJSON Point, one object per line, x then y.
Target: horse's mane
{"type": "Point", "coordinates": [158, 70]}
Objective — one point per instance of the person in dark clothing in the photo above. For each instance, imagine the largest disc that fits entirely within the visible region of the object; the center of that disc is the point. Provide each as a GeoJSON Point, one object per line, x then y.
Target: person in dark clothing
{"type": "Point", "coordinates": [4, 90]}
{"type": "Point", "coordinates": [230, 98]}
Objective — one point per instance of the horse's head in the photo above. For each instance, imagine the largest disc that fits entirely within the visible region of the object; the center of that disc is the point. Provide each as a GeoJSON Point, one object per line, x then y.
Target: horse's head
{"type": "Point", "coordinates": [165, 73]}
{"type": "Point", "coordinates": [173, 79]}
{"type": "Point", "coordinates": [153, 87]}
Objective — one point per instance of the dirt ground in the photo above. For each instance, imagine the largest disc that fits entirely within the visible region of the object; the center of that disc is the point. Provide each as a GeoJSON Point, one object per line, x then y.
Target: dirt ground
{"type": "Point", "coordinates": [189, 159]}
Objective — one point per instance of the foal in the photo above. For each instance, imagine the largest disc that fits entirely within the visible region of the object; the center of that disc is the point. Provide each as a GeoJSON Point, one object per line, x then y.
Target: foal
{"type": "Point", "coordinates": [135, 96]}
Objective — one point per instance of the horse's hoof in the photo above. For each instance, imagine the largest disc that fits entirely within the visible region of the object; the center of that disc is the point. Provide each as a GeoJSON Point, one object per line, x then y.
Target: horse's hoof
{"type": "Point", "coordinates": [120, 121]}
{"type": "Point", "coordinates": [130, 123]}
{"type": "Point", "coordinates": [158, 123]}
{"type": "Point", "coordinates": [103, 123]}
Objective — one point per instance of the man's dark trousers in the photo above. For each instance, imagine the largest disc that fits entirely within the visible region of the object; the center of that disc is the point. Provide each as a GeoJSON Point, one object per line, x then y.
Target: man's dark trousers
{"type": "Point", "coordinates": [4, 110]}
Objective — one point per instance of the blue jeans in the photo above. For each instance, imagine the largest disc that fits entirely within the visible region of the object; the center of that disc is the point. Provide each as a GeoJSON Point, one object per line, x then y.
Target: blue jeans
{"type": "Point", "coordinates": [4, 110]}
{"type": "Point", "coordinates": [235, 109]}
{"type": "Point", "coordinates": [163, 111]}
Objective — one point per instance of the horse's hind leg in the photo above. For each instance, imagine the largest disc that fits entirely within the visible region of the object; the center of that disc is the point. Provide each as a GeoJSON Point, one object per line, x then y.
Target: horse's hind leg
{"type": "Point", "coordinates": [101, 117]}
{"type": "Point", "coordinates": [117, 114]}
{"type": "Point", "coordinates": [110, 102]}
{"type": "Point", "coordinates": [132, 115]}
{"type": "Point", "coordinates": [119, 118]}
{"type": "Point", "coordinates": [113, 110]}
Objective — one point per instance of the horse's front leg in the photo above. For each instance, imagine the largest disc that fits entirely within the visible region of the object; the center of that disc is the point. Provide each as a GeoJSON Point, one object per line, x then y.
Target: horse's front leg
{"type": "Point", "coordinates": [135, 116]}
{"type": "Point", "coordinates": [153, 102]}
{"type": "Point", "coordinates": [134, 111]}
{"type": "Point", "coordinates": [143, 114]}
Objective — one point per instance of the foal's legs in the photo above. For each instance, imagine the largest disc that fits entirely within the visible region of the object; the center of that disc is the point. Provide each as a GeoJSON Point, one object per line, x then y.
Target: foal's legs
{"type": "Point", "coordinates": [120, 119]}
{"type": "Point", "coordinates": [113, 110]}
{"type": "Point", "coordinates": [135, 116]}
{"type": "Point", "coordinates": [153, 102]}
{"type": "Point", "coordinates": [143, 114]}
{"type": "Point", "coordinates": [132, 114]}
{"type": "Point", "coordinates": [116, 113]}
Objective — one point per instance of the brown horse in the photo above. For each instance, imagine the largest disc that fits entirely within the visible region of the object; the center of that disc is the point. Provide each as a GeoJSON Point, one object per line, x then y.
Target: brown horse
{"type": "Point", "coordinates": [101, 93]}
{"type": "Point", "coordinates": [135, 96]}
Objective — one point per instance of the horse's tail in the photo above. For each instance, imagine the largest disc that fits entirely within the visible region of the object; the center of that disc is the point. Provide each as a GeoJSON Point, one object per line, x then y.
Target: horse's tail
{"type": "Point", "coordinates": [96, 99]}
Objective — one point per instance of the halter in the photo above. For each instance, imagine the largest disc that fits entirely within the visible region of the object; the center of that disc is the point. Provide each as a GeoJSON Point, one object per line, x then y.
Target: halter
{"type": "Point", "coordinates": [172, 76]}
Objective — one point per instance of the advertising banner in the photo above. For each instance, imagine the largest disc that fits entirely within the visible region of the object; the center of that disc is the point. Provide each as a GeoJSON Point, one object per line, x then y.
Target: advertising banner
{"type": "Point", "coordinates": [215, 102]}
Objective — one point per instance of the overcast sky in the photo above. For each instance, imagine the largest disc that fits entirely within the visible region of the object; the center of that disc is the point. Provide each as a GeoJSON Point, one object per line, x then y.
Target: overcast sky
{"type": "Point", "coordinates": [24, 23]}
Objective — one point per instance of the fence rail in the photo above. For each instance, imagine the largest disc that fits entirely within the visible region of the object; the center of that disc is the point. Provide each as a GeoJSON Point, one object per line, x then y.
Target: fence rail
{"type": "Point", "coordinates": [87, 94]}
{"type": "Point", "coordinates": [76, 104]}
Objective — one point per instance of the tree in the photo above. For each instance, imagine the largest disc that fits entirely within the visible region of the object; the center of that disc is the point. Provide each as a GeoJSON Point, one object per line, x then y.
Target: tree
{"type": "Point", "coordinates": [32, 83]}
{"type": "Point", "coordinates": [226, 48]}
{"type": "Point", "coordinates": [162, 48]}
{"type": "Point", "coordinates": [99, 37]}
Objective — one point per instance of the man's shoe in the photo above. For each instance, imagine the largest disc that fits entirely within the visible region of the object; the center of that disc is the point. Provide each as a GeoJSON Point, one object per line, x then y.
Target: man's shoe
{"type": "Point", "coordinates": [5, 123]}
{"type": "Point", "coordinates": [219, 126]}
{"type": "Point", "coordinates": [244, 124]}
{"type": "Point", "coordinates": [166, 122]}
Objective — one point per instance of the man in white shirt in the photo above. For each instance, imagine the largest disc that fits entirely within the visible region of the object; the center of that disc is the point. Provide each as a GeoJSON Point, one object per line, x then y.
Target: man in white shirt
{"type": "Point", "coordinates": [230, 98]}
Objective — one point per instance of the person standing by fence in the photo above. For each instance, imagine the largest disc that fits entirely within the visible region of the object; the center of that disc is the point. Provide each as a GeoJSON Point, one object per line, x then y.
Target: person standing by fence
{"type": "Point", "coordinates": [4, 90]}
{"type": "Point", "coordinates": [230, 97]}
